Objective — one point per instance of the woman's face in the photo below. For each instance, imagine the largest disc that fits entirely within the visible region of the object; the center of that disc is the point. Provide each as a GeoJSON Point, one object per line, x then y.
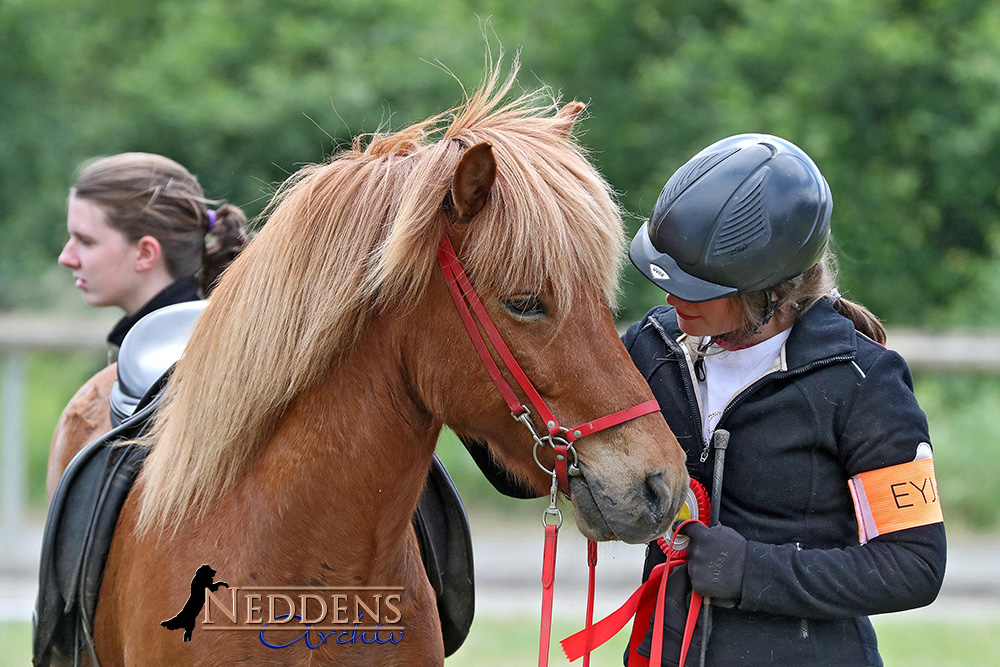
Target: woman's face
{"type": "Point", "coordinates": [708, 318]}
{"type": "Point", "coordinates": [102, 259]}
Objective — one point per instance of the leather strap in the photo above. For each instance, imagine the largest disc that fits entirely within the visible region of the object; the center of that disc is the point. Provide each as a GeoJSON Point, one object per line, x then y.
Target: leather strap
{"type": "Point", "coordinates": [471, 308]}
{"type": "Point", "coordinates": [591, 589]}
{"type": "Point", "coordinates": [474, 316]}
{"type": "Point", "coordinates": [548, 587]}
{"type": "Point", "coordinates": [613, 419]}
{"type": "Point", "coordinates": [656, 647]}
{"type": "Point", "coordinates": [562, 465]}
{"type": "Point", "coordinates": [646, 604]}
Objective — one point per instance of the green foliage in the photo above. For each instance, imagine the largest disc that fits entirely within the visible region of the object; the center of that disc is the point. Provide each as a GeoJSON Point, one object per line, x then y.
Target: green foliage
{"type": "Point", "coordinates": [889, 98]}
{"type": "Point", "coordinates": [894, 100]}
{"type": "Point", "coordinates": [51, 382]}
{"type": "Point", "coordinates": [961, 411]}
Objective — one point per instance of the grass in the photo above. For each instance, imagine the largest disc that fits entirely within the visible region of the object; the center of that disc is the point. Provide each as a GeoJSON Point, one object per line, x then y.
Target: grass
{"type": "Point", "coordinates": [15, 644]}
{"type": "Point", "coordinates": [914, 644]}
{"type": "Point", "coordinates": [502, 642]}
{"type": "Point", "coordinates": [945, 644]}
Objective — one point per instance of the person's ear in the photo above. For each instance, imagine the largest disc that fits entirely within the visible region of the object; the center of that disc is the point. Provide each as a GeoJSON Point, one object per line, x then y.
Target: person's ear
{"type": "Point", "coordinates": [149, 253]}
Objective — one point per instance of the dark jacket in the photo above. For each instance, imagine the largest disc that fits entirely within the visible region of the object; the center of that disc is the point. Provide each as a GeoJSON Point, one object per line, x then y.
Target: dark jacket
{"type": "Point", "coordinates": [180, 291]}
{"type": "Point", "coordinates": [840, 405]}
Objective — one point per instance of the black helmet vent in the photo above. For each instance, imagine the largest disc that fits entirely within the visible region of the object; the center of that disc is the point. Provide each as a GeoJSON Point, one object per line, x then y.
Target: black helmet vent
{"type": "Point", "coordinates": [744, 219]}
{"type": "Point", "coordinates": [690, 173]}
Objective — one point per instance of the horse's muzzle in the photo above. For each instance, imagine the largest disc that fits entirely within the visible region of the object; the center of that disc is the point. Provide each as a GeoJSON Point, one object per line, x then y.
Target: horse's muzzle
{"type": "Point", "coordinates": [635, 514]}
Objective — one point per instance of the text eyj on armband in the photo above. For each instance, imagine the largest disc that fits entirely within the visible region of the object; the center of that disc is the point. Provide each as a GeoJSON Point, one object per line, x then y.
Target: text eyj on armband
{"type": "Point", "coordinates": [895, 498]}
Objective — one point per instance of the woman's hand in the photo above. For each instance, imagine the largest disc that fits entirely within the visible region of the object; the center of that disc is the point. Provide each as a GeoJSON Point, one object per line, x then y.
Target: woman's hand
{"type": "Point", "coordinates": [716, 557]}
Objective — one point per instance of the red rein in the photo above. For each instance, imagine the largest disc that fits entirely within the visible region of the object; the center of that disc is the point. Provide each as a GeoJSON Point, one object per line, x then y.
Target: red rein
{"type": "Point", "coordinates": [645, 605]}
{"type": "Point", "coordinates": [474, 316]}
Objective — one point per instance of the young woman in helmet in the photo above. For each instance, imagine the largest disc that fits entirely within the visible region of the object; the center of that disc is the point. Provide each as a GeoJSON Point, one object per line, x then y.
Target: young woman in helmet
{"type": "Point", "coordinates": [829, 510]}
{"type": "Point", "coordinates": [142, 235]}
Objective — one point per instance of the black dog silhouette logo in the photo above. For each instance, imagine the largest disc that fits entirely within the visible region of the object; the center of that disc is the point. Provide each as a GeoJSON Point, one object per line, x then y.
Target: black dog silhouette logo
{"type": "Point", "coordinates": [188, 615]}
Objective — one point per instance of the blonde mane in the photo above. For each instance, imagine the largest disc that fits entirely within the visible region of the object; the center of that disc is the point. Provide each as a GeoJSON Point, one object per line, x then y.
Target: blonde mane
{"type": "Point", "coordinates": [345, 238]}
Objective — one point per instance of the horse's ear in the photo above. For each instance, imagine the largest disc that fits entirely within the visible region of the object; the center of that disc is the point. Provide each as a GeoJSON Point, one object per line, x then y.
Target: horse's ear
{"type": "Point", "coordinates": [473, 180]}
{"type": "Point", "coordinates": [566, 117]}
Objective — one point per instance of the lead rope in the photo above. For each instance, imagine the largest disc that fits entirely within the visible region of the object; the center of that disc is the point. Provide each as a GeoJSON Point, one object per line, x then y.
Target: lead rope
{"type": "Point", "coordinates": [591, 586]}
{"type": "Point", "coordinates": [645, 605]}
{"type": "Point", "coordinates": [549, 567]}
{"type": "Point", "coordinates": [548, 581]}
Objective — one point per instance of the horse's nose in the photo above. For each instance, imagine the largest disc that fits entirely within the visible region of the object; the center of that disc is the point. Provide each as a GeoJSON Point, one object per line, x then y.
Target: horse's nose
{"type": "Point", "coordinates": [659, 499]}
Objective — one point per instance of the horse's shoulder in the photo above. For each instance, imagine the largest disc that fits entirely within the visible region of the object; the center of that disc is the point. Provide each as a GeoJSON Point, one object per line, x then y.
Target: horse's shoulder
{"type": "Point", "coordinates": [90, 402]}
{"type": "Point", "coordinates": [86, 416]}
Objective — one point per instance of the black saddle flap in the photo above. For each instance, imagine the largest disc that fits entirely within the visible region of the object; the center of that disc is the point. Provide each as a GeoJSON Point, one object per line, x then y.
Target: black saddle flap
{"type": "Point", "coordinates": [77, 538]}
{"type": "Point", "coordinates": [442, 529]}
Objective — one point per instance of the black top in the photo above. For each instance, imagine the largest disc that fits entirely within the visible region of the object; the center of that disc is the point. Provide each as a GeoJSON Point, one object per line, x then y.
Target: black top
{"type": "Point", "coordinates": [842, 405]}
{"type": "Point", "coordinates": [181, 290]}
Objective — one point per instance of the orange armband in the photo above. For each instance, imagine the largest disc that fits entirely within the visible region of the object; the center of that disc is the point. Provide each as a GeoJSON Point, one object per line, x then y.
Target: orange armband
{"type": "Point", "coordinates": [894, 498]}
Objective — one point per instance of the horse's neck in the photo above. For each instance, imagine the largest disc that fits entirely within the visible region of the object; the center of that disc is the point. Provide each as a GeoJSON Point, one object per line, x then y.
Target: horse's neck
{"type": "Point", "coordinates": [348, 461]}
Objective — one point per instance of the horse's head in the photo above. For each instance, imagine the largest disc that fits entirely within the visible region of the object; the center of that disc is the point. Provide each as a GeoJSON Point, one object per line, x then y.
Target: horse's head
{"type": "Point", "coordinates": [627, 479]}
{"type": "Point", "coordinates": [347, 275]}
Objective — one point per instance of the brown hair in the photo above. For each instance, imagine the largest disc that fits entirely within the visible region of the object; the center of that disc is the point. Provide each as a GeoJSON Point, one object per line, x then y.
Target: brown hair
{"type": "Point", "coordinates": [794, 297]}
{"type": "Point", "coordinates": [143, 194]}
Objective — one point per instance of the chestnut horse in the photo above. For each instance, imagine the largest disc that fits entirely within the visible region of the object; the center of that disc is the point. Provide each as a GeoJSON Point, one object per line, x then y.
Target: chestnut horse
{"type": "Point", "coordinates": [85, 418]}
{"type": "Point", "coordinates": [295, 435]}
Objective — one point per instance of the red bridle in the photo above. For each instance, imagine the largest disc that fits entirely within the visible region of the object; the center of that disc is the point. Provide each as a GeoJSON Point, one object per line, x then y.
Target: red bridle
{"type": "Point", "coordinates": [474, 316]}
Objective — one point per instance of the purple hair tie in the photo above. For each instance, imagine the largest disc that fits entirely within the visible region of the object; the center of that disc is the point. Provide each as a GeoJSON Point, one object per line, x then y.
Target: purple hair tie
{"type": "Point", "coordinates": [211, 219]}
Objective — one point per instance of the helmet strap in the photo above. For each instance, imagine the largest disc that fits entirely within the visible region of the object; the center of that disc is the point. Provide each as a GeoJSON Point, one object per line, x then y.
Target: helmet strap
{"type": "Point", "coordinates": [771, 306]}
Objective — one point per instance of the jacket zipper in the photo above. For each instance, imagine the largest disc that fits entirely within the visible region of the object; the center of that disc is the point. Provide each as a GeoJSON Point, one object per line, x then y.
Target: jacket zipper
{"type": "Point", "coordinates": [764, 379]}
{"type": "Point", "coordinates": [804, 622]}
{"type": "Point", "coordinates": [686, 371]}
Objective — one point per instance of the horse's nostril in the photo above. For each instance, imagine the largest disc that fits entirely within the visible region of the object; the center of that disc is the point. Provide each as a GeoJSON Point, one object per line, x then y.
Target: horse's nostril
{"type": "Point", "coordinates": [657, 494]}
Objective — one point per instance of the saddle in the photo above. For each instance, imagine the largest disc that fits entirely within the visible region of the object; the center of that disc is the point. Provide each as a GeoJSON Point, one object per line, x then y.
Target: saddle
{"type": "Point", "coordinates": [78, 532]}
{"type": "Point", "coordinates": [88, 500]}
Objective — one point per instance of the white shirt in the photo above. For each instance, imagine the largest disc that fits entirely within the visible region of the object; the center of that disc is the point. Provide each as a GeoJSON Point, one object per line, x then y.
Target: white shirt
{"type": "Point", "coordinates": [728, 372]}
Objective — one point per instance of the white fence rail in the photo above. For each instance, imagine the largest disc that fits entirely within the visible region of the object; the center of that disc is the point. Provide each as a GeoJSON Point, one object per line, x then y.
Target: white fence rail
{"type": "Point", "coordinates": [21, 334]}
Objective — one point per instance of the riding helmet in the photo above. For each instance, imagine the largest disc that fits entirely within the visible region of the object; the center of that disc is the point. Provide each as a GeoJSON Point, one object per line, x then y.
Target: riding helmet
{"type": "Point", "coordinates": [745, 214]}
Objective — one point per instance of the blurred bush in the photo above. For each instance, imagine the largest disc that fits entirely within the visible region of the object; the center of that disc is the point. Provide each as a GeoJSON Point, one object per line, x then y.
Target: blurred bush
{"type": "Point", "coordinates": [894, 99]}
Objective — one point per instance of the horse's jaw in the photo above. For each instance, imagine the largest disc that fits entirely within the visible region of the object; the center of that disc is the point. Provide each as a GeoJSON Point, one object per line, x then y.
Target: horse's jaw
{"type": "Point", "coordinates": [636, 514]}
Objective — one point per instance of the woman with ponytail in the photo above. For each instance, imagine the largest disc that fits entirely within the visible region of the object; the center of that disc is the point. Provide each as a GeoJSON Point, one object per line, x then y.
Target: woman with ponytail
{"type": "Point", "coordinates": [142, 235]}
{"type": "Point", "coordinates": [828, 510]}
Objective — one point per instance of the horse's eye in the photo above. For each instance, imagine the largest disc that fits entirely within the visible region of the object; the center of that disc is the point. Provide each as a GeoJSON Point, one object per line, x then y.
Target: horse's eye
{"type": "Point", "coordinates": [526, 307]}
